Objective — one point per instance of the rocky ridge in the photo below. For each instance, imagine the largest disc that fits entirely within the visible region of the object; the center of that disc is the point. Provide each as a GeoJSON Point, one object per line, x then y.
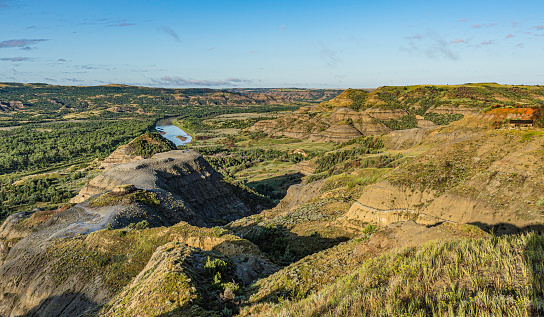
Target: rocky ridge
{"type": "Point", "coordinates": [166, 190]}
{"type": "Point", "coordinates": [181, 180]}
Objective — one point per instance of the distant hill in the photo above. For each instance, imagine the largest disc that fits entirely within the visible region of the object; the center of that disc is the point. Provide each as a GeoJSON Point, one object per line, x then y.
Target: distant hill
{"type": "Point", "coordinates": [23, 103]}
{"type": "Point", "coordinates": [292, 94]}
{"type": "Point", "coordinates": [358, 112]}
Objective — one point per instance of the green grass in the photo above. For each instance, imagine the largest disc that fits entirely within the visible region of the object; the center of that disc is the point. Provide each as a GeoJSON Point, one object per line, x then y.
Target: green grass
{"type": "Point", "coordinates": [529, 135]}
{"type": "Point", "coordinates": [493, 276]}
{"type": "Point", "coordinates": [117, 256]}
{"type": "Point", "coordinates": [265, 142]}
{"type": "Point", "coordinates": [363, 177]}
{"type": "Point", "coordinates": [448, 169]}
{"type": "Point", "coordinates": [142, 196]}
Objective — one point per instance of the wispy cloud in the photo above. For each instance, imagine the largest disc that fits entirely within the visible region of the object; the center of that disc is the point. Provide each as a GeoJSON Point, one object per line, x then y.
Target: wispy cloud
{"type": "Point", "coordinates": [432, 45]}
{"type": "Point", "coordinates": [510, 35]}
{"type": "Point", "coordinates": [212, 48]}
{"type": "Point", "coordinates": [441, 49]}
{"type": "Point", "coordinates": [477, 26]}
{"type": "Point", "coordinates": [120, 24]}
{"type": "Point", "coordinates": [4, 4]}
{"type": "Point", "coordinates": [61, 60]}
{"type": "Point", "coordinates": [24, 44]}
{"type": "Point", "coordinates": [108, 22]}
{"type": "Point", "coordinates": [329, 57]}
{"type": "Point", "coordinates": [170, 32]}
{"type": "Point", "coordinates": [72, 80]}
{"type": "Point", "coordinates": [520, 45]}
{"type": "Point", "coordinates": [539, 27]}
{"type": "Point", "coordinates": [462, 20]}
{"type": "Point", "coordinates": [486, 43]}
{"type": "Point", "coordinates": [15, 59]}
{"type": "Point", "coordinates": [95, 67]}
{"type": "Point", "coordinates": [179, 81]}
{"type": "Point", "coordinates": [514, 24]}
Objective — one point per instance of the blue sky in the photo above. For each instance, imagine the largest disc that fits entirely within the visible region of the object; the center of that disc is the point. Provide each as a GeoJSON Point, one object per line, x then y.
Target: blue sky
{"type": "Point", "coordinates": [317, 44]}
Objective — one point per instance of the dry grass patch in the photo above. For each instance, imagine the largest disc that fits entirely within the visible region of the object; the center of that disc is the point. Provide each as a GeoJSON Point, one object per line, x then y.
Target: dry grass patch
{"type": "Point", "coordinates": [493, 276]}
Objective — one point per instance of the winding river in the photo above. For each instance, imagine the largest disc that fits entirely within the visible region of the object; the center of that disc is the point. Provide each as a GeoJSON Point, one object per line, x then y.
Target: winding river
{"type": "Point", "coordinates": [168, 130]}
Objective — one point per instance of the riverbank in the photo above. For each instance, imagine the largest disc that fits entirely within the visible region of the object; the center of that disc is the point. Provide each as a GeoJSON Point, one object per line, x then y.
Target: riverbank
{"type": "Point", "coordinates": [169, 130]}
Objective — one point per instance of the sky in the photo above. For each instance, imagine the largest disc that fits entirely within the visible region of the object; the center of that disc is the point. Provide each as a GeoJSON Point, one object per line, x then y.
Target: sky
{"type": "Point", "coordinates": [238, 43]}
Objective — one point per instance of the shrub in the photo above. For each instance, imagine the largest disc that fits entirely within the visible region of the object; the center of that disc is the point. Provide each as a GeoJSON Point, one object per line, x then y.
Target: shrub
{"type": "Point", "coordinates": [212, 267]}
{"type": "Point", "coordinates": [540, 203]}
{"type": "Point", "coordinates": [140, 225]}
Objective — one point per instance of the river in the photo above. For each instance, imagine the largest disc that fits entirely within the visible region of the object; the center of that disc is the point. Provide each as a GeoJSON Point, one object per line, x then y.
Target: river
{"type": "Point", "coordinates": [168, 130]}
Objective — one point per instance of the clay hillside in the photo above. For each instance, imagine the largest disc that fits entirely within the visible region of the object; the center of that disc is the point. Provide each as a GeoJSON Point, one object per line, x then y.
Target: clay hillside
{"type": "Point", "coordinates": [404, 201]}
{"type": "Point", "coordinates": [359, 112]}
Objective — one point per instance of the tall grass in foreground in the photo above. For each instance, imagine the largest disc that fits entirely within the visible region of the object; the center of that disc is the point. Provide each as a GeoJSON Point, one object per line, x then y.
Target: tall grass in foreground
{"type": "Point", "coordinates": [493, 276]}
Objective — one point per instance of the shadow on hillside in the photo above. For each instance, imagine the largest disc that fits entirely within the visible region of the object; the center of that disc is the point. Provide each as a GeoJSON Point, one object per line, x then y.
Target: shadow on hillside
{"type": "Point", "coordinates": [276, 187]}
{"type": "Point", "coordinates": [284, 246]}
{"type": "Point", "coordinates": [507, 228]}
{"type": "Point", "coordinates": [67, 304]}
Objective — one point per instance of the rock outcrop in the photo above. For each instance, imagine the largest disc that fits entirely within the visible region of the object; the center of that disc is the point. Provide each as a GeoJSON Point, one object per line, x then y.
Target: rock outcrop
{"type": "Point", "coordinates": [10, 105]}
{"type": "Point", "coordinates": [176, 281]}
{"type": "Point", "coordinates": [141, 147]}
{"type": "Point", "coordinates": [343, 124]}
{"type": "Point", "coordinates": [300, 193]}
{"type": "Point", "coordinates": [340, 133]}
{"type": "Point", "coordinates": [304, 167]}
{"type": "Point", "coordinates": [122, 154]}
{"type": "Point", "coordinates": [182, 180]}
{"type": "Point", "coordinates": [71, 277]}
